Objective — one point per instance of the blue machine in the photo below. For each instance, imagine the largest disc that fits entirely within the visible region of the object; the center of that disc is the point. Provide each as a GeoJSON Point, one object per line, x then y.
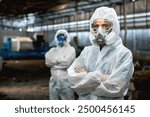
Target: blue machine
{"type": "Point", "coordinates": [7, 53]}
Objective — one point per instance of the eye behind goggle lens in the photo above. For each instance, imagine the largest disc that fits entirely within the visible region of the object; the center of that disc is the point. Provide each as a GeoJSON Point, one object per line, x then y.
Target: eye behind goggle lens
{"type": "Point", "coordinates": [61, 37]}
{"type": "Point", "coordinates": [105, 26]}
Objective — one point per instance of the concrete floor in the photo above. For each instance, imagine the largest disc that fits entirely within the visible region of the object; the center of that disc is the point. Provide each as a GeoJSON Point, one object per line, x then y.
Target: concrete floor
{"type": "Point", "coordinates": [24, 80]}
{"type": "Point", "coordinates": [29, 79]}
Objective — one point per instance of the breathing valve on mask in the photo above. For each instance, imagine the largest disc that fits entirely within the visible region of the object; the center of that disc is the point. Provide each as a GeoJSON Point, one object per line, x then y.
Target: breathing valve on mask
{"type": "Point", "coordinates": [100, 39]}
{"type": "Point", "coordinates": [61, 38]}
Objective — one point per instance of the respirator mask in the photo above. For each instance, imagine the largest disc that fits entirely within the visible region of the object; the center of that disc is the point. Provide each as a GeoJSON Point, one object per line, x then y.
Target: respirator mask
{"type": "Point", "coordinates": [61, 38]}
{"type": "Point", "coordinates": [101, 28]}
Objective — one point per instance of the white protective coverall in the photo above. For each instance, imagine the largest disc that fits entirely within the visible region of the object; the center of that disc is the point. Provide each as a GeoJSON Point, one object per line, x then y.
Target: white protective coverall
{"type": "Point", "coordinates": [113, 61]}
{"type": "Point", "coordinates": [59, 59]}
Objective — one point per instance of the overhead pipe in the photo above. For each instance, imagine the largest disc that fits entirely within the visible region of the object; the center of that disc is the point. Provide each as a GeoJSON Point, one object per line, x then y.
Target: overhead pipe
{"type": "Point", "coordinates": [125, 22]}
{"type": "Point", "coordinates": [76, 17]}
{"type": "Point", "coordinates": [147, 26]}
{"type": "Point", "coordinates": [134, 36]}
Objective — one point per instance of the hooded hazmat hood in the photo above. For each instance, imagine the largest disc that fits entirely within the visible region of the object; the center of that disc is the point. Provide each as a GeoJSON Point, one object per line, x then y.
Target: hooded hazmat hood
{"type": "Point", "coordinates": [62, 31]}
{"type": "Point", "coordinates": [110, 15]}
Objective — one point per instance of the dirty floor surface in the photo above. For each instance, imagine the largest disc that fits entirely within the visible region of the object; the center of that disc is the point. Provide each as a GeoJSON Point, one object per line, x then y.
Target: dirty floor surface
{"type": "Point", "coordinates": [24, 80]}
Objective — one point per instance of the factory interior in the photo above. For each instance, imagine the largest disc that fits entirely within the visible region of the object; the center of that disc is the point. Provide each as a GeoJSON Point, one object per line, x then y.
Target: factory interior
{"type": "Point", "coordinates": [27, 32]}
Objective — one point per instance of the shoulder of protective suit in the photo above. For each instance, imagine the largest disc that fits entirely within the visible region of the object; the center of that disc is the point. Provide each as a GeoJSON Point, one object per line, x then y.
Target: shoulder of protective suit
{"type": "Point", "coordinates": [90, 46]}
{"type": "Point", "coordinates": [52, 49]}
{"type": "Point", "coordinates": [124, 51]}
{"type": "Point", "coordinates": [71, 48]}
{"type": "Point", "coordinates": [85, 51]}
{"type": "Point", "coordinates": [87, 48]}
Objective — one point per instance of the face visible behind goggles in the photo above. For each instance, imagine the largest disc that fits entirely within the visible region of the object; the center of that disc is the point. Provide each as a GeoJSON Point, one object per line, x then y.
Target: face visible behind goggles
{"type": "Point", "coordinates": [102, 26]}
{"type": "Point", "coordinates": [61, 38]}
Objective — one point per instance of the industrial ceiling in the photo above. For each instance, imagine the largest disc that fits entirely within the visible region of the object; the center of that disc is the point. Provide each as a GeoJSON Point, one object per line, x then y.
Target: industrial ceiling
{"type": "Point", "coordinates": [38, 10]}
{"type": "Point", "coordinates": [21, 7]}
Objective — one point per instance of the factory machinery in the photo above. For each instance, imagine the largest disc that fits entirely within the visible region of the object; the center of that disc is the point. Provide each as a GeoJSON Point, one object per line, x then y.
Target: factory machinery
{"type": "Point", "coordinates": [16, 48]}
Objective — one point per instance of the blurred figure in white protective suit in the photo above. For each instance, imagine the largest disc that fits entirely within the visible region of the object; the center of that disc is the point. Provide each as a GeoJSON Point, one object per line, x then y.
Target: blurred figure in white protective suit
{"type": "Point", "coordinates": [59, 59]}
{"type": "Point", "coordinates": [103, 70]}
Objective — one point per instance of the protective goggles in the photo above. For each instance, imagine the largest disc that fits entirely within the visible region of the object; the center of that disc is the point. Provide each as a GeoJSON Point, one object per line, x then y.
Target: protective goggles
{"type": "Point", "coordinates": [61, 37]}
{"type": "Point", "coordinates": [104, 23]}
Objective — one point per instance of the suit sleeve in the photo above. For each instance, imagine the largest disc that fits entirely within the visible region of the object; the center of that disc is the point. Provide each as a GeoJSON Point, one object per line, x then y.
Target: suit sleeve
{"type": "Point", "coordinates": [119, 79]}
{"type": "Point", "coordinates": [50, 58]}
{"type": "Point", "coordinates": [83, 82]}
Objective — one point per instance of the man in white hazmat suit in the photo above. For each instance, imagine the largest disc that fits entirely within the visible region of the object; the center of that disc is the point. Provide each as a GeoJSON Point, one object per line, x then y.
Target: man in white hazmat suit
{"type": "Point", "coordinates": [59, 59]}
{"type": "Point", "coordinates": [103, 70]}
